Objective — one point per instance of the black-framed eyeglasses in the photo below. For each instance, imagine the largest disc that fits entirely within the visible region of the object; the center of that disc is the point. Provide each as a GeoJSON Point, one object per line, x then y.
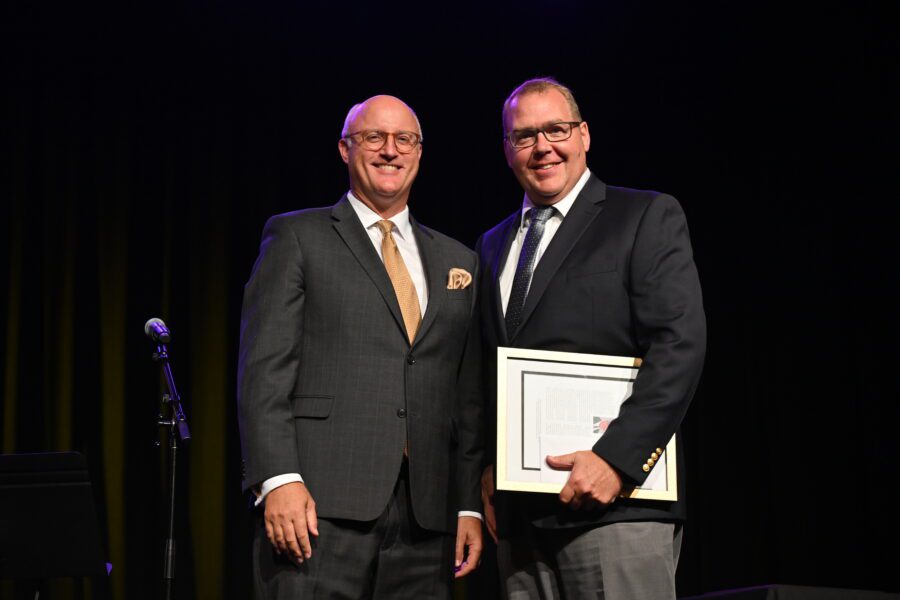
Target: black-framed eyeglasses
{"type": "Point", "coordinates": [404, 141]}
{"type": "Point", "coordinates": [554, 132]}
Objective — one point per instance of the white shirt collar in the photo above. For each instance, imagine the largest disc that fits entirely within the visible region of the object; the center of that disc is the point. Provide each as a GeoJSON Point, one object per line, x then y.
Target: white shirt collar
{"type": "Point", "coordinates": [369, 217]}
{"type": "Point", "coordinates": [564, 205]}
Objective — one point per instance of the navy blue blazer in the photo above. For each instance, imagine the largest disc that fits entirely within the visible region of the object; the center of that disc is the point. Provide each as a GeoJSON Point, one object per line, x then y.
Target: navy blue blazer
{"type": "Point", "coordinates": [618, 278]}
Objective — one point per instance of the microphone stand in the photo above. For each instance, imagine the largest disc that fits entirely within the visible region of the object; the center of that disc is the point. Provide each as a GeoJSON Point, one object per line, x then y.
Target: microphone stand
{"type": "Point", "coordinates": [172, 418]}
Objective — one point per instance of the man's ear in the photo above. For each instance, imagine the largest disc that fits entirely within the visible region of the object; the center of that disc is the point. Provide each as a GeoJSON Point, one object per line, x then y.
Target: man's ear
{"type": "Point", "coordinates": [509, 152]}
{"type": "Point", "coordinates": [344, 149]}
{"type": "Point", "coordinates": [585, 135]}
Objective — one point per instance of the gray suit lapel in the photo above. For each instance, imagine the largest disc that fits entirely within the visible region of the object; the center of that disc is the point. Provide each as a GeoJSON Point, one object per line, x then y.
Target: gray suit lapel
{"type": "Point", "coordinates": [436, 272]}
{"type": "Point", "coordinates": [585, 209]}
{"type": "Point", "coordinates": [347, 225]}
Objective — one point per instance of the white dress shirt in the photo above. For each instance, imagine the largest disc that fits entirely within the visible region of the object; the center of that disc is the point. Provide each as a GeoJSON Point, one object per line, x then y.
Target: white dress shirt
{"type": "Point", "coordinates": [550, 227]}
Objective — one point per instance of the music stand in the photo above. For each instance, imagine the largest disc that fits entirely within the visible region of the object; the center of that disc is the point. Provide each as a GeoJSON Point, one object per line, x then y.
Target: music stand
{"type": "Point", "coordinates": [48, 525]}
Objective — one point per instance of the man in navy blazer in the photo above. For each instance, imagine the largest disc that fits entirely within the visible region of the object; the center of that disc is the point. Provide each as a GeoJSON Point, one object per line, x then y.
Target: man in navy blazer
{"type": "Point", "coordinates": [358, 386]}
{"type": "Point", "coordinates": [608, 270]}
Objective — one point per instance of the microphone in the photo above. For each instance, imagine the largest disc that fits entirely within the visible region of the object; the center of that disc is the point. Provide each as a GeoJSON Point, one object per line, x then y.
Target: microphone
{"type": "Point", "coordinates": [157, 331]}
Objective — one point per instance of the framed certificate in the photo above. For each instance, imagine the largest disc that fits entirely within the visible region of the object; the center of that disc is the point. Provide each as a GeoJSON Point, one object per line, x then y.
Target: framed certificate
{"type": "Point", "coordinates": [552, 403]}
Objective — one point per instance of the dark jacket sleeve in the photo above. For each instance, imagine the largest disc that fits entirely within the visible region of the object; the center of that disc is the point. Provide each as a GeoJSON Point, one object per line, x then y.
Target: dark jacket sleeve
{"type": "Point", "coordinates": [470, 412]}
{"type": "Point", "coordinates": [271, 332]}
{"type": "Point", "coordinates": [670, 330]}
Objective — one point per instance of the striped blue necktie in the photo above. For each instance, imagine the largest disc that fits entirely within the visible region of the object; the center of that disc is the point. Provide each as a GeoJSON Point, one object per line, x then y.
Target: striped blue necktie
{"type": "Point", "coordinates": [525, 268]}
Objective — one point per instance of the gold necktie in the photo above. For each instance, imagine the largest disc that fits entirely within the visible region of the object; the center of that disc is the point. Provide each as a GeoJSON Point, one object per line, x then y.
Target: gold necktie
{"type": "Point", "coordinates": [403, 284]}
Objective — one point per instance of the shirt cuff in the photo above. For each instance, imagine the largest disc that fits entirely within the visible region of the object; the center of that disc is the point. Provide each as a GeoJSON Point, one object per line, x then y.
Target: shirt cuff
{"type": "Point", "coordinates": [469, 513]}
{"type": "Point", "coordinates": [273, 482]}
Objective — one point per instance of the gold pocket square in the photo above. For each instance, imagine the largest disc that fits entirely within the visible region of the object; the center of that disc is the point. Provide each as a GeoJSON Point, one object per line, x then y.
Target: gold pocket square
{"type": "Point", "coordinates": [458, 279]}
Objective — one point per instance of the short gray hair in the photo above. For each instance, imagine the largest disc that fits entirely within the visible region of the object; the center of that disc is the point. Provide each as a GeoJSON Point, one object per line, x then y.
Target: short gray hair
{"type": "Point", "coordinates": [540, 85]}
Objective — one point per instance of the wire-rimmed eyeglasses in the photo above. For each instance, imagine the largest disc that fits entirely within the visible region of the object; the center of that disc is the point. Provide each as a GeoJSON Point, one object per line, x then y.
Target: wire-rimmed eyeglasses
{"type": "Point", "coordinates": [404, 141]}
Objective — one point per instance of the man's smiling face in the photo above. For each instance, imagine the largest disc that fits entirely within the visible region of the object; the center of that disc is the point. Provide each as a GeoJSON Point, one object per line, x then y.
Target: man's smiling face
{"type": "Point", "coordinates": [382, 178]}
{"type": "Point", "coordinates": [546, 171]}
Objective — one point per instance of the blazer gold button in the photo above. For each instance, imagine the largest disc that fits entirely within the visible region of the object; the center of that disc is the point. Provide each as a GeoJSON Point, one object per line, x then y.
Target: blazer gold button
{"type": "Point", "coordinates": [401, 412]}
{"type": "Point", "coordinates": [646, 468]}
{"type": "Point", "coordinates": [654, 456]}
{"type": "Point", "coordinates": [651, 462]}
{"type": "Point", "coordinates": [660, 450]}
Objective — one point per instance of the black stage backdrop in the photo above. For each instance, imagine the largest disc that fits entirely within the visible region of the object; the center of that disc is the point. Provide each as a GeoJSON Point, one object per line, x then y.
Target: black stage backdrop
{"type": "Point", "coordinates": [144, 145]}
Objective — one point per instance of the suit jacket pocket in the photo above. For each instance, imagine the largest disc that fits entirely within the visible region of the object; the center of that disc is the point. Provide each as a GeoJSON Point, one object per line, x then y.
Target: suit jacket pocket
{"type": "Point", "coordinates": [459, 294]}
{"type": "Point", "coordinates": [312, 407]}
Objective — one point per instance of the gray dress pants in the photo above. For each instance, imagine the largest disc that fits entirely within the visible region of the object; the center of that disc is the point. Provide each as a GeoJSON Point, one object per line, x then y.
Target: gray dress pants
{"type": "Point", "coordinates": [618, 561]}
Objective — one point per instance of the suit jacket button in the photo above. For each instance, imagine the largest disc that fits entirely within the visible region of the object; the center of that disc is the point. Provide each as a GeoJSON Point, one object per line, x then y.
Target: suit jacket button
{"type": "Point", "coordinates": [651, 462]}
{"type": "Point", "coordinates": [410, 360]}
{"type": "Point", "coordinates": [401, 412]}
{"type": "Point", "coordinates": [660, 450]}
{"type": "Point", "coordinates": [654, 455]}
{"type": "Point", "coordinates": [646, 468]}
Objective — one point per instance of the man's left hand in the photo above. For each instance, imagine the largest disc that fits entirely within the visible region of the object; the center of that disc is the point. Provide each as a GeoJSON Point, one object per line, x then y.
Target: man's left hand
{"type": "Point", "coordinates": [468, 536]}
{"type": "Point", "coordinates": [592, 479]}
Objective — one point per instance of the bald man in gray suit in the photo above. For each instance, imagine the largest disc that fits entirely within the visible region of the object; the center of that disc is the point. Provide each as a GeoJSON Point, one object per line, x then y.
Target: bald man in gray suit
{"type": "Point", "coordinates": [359, 395]}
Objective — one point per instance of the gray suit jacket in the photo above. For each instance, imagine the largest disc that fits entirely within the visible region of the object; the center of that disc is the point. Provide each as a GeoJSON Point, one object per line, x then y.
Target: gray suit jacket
{"type": "Point", "coordinates": [329, 387]}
